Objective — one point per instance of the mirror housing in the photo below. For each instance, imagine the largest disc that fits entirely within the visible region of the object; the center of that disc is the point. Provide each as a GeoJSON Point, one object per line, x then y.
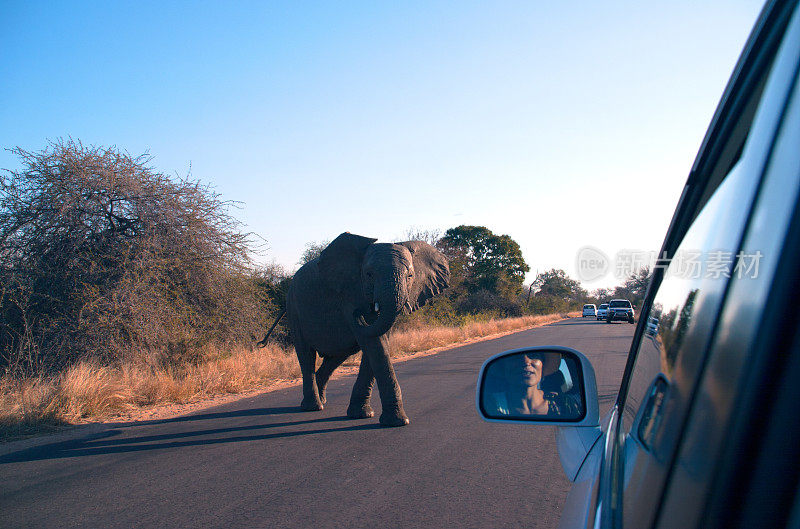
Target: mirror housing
{"type": "Point", "coordinates": [507, 376]}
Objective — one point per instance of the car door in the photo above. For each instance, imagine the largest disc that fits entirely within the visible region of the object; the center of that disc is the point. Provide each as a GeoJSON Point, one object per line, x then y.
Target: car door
{"type": "Point", "coordinates": [688, 291]}
{"type": "Point", "coordinates": [729, 471]}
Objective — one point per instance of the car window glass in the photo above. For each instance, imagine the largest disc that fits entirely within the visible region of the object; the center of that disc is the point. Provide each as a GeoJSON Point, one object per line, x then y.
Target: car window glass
{"type": "Point", "coordinates": [669, 358]}
{"type": "Point", "coordinates": [738, 345]}
{"type": "Point", "coordinates": [702, 256]}
{"type": "Point", "coordinates": [680, 321]}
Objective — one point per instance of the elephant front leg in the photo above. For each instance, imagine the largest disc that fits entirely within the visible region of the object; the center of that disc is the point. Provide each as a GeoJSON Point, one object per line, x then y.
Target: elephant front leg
{"type": "Point", "coordinates": [362, 390]}
{"type": "Point", "coordinates": [307, 358]}
{"type": "Point", "coordinates": [329, 365]}
{"type": "Point", "coordinates": [377, 352]}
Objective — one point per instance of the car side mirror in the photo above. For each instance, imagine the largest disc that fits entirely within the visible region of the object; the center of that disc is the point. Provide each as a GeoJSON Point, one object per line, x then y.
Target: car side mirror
{"type": "Point", "coordinates": [541, 385]}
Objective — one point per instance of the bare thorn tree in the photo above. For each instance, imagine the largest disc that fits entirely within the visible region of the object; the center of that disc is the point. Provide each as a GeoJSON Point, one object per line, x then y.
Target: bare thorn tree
{"type": "Point", "coordinates": [102, 256]}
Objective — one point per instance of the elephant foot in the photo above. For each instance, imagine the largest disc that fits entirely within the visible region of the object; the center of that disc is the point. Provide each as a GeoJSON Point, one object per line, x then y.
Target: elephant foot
{"type": "Point", "coordinates": [310, 405]}
{"type": "Point", "coordinates": [393, 419]}
{"type": "Point", "coordinates": [361, 412]}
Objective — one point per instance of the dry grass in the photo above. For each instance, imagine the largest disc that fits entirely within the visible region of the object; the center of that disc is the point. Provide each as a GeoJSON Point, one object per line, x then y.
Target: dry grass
{"type": "Point", "coordinates": [411, 340]}
{"type": "Point", "coordinates": [91, 391]}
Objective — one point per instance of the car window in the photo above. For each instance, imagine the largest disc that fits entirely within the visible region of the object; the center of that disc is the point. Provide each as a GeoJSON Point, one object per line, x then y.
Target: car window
{"type": "Point", "coordinates": [669, 359]}
{"type": "Point", "coordinates": [737, 344]}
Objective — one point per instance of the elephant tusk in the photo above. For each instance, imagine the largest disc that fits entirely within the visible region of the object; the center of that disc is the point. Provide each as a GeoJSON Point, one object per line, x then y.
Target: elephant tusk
{"type": "Point", "coordinates": [358, 316]}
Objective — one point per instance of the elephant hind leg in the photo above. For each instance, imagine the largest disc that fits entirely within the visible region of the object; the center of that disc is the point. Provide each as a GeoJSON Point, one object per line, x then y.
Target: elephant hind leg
{"type": "Point", "coordinates": [362, 391]}
{"type": "Point", "coordinates": [307, 357]}
{"type": "Point", "coordinates": [329, 365]}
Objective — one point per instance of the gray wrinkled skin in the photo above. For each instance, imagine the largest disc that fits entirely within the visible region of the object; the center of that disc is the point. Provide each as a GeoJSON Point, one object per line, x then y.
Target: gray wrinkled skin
{"type": "Point", "coordinates": [331, 306]}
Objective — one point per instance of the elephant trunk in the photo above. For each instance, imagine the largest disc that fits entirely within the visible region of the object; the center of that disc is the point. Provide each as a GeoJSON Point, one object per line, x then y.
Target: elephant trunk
{"type": "Point", "coordinates": [385, 309]}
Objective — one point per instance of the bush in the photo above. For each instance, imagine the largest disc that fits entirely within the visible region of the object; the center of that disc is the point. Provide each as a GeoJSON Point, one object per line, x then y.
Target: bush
{"type": "Point", "coordinates": [547, 304]}
{"type": "Point", "coordinates": [484, 301]}
{"type": "Point", "coordinates": [437, 312]}
{"type": "Point", "coordinates": [101, 256]}
{"type": "Point", "coordinates": [274, 281]}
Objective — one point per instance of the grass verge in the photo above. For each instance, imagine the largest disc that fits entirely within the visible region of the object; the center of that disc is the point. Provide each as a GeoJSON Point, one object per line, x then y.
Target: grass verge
{"type": "Point", "coordinates": [88, 391]}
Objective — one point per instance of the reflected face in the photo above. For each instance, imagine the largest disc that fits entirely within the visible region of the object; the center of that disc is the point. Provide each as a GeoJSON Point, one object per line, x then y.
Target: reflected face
{"type": "Point", "coordinates": [535, 385]}
{"type": "Point", "coordinates": [527, 369]}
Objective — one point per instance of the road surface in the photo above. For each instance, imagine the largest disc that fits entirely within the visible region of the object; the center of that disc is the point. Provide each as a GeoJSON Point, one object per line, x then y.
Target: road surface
{"type": "Point", "coordinates": [260, 462]}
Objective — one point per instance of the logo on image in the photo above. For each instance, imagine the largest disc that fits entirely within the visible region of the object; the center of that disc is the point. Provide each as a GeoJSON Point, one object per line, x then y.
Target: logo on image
{"type": "Point", "coordinates": [591, 263]}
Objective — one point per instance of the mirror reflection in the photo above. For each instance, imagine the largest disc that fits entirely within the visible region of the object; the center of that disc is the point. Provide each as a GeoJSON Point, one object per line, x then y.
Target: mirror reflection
{"type": "Point", "coordinates": [537, 385]}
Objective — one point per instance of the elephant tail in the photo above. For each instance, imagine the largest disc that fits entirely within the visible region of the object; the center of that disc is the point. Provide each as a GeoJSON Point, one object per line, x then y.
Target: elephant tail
{"type": "Point", "coordinates": [263, 342]}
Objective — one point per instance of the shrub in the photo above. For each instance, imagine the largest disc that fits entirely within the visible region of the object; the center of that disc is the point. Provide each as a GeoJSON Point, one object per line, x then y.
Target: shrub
{"type": "Point", "coordinates": [274, 281]}
{"type": "Point", "coordinates": [100, 255]}
{"type": "Point", "coordinates": [485, 301]}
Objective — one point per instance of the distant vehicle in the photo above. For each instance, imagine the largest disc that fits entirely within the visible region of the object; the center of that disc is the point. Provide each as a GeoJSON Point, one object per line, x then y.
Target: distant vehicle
{"type": "Point", "coordinates": [589, 310]}
{"type": "Point", "coordinates": [620, 310]}
{"type": "Point", "coordinates": [652, 326]}
{"type": "Point", "coordinates": [602, 311]}
{"type": "Point", "coordinates": [704, 431]}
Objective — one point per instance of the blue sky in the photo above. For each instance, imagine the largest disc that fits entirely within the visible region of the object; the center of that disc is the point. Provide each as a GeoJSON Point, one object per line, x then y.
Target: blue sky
{"type": "Point", "coordinates": [536, 119]}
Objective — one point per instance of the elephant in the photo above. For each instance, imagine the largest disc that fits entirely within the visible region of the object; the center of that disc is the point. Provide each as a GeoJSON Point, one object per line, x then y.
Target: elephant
{"type": "Point", "coordinates": [346, 300]}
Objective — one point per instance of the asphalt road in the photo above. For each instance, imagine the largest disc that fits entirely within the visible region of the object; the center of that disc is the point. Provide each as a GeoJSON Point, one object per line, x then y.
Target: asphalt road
{"type": "Point", "coordinates": [260, 462]}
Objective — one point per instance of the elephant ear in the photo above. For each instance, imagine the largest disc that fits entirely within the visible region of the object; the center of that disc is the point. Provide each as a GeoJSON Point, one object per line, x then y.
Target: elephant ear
{"type": "Point", "coordinates": [431, 272]}
{"type": "Point", "coordinates": [340, 262]}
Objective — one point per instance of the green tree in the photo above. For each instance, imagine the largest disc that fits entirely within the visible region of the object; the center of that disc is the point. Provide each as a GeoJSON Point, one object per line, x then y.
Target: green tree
{"type": "Point", "coordinates": [481, 260]}
{"type": "Point", "coordinates": [556, 291]}
{"type": "Point", "coordinates": [602, 295]}
{"type": "Point", "coordinates": [274, 281]}
{"type": "Point", "coordinates": [635, 286]}
{"type": "Point", "coordinates": [557, 283]}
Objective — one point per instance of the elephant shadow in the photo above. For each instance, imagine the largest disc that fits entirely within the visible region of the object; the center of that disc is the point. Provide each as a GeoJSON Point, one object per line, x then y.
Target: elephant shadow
{"type": "Point", "coordinates": [126, 438]}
